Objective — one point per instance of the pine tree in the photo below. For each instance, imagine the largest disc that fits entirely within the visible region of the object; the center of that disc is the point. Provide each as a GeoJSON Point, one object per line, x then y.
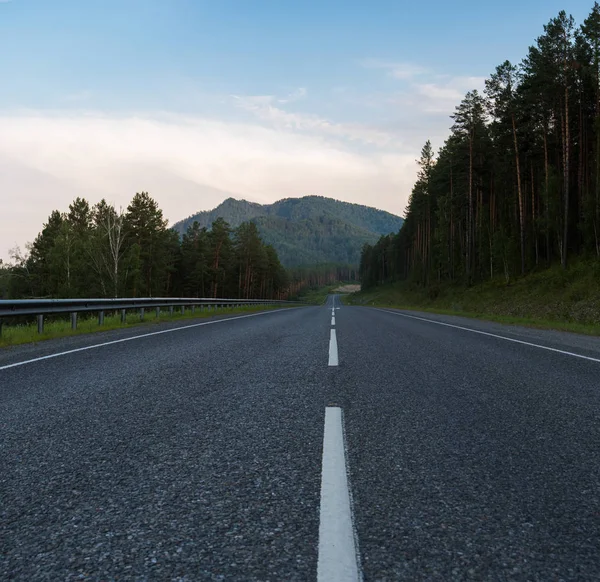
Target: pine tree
{"type": "Point", "coordinates": [501, 92]}
{"type": "Point", "coordinates": [220, 253]}
{"type": "Point", "coordinates": [146, 229]}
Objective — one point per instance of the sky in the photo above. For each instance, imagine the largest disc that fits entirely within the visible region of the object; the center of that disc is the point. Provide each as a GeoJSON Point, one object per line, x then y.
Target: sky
{"type": "Point", "coordinates": [195, 101]}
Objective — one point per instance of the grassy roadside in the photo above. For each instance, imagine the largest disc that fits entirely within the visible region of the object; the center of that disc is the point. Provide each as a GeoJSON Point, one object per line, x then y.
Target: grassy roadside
{"type": "Point", "coordinates": [27, 333]}
{"type": "Point", "coordinates": [549, 299]}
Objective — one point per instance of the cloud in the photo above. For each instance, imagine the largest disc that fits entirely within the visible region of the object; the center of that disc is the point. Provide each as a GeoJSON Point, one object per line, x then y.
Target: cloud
{"type": "Point", "coordinates": [186, 163]}
{"type": "Point", "coordinates": [263, 108]}
{"type": "Point", "coordinates": [425, 90]}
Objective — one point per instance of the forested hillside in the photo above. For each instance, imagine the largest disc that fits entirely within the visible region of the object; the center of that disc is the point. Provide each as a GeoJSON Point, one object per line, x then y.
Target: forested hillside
{"type": "Point", "coordinates": [308, 230]}
{"type": "Point", "coordinates": [516, 186]}
{"type": "Point", "coordinates": [101, 252]}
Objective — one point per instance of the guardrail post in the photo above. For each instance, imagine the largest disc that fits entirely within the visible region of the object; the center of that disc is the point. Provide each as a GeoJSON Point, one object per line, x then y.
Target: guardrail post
{"type": "Point", "coordinates": [193, 309]}
{"type": "Point", "coordinates": [74, 320]}
{"type": "Point", "coordinates": [100, 317]}
{"type": "Point", "coordinates": [142, 314]}
{"type": "Point", "coordinates": [171, 310]}
{"type": "Point", "coordinates": [183, 310]}
{"type": "Point", "coordinates": [157, 312]}
{"type": "Point", "coordinates": [123, 315]}
{"type": "Point", "coordinates": [40, 323]}
{"type": "Point", "coordinates": [1, 322]}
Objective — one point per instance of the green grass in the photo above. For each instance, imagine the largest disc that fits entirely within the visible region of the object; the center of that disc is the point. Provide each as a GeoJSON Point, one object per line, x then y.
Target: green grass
{"type": "Point", "coordinates": [27, 333]}
{"type": "Point", "coordinates": [549, 299]}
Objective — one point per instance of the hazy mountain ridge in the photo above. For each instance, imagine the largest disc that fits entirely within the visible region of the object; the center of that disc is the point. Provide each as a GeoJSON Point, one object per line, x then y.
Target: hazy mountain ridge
{"type": "Point", "coordinates": [307, 230]}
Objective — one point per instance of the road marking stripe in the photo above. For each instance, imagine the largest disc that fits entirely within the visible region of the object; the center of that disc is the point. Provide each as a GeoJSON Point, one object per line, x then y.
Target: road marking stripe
{"type": "Point", "coordinates": [337, 561]}
{"type": "Point", "coordinates": [333, 349]}
{"type": "Point", "coordinates": [508, 339]}
{"type": "Point", "coordinates": [135, 337]}
{"type": "Point", "coordinates": [332, 320]}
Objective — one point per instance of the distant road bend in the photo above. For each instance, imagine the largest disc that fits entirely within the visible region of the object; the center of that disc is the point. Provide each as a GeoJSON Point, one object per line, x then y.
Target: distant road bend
{"type": "Point", "coordinates": [326, 443]}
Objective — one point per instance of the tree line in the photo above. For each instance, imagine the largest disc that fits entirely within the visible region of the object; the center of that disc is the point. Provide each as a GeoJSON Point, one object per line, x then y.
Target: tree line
{"type": "Point", "coordinates": [99, 251]}
{"type": "Point", "coordinates": [516, 186]}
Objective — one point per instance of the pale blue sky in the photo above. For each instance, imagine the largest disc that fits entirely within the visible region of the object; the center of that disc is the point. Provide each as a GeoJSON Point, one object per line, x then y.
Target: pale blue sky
{"type": "Point", "coordinates": [196, 100]}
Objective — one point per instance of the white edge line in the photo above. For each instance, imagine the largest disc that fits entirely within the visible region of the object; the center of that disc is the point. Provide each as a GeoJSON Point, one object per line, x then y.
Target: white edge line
{"type": "Point", "coordinates": [338, 558]}
{"type": "Point", "coordinates": [333, 349]}
{"type": "Point", "coordinates": [135, 337]}
{"type": "Point", "coordinates": [508, 339]}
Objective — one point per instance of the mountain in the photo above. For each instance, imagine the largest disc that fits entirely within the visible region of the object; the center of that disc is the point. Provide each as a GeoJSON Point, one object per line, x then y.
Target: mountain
{"type": "Point", "coordinates": [307, 230]}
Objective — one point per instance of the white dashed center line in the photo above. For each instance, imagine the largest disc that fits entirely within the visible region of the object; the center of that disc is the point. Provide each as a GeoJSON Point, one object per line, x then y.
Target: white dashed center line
{"type": "Point", "coordinates": [333, 349]}
{"type": "Point", "coordinates": [338, 558]}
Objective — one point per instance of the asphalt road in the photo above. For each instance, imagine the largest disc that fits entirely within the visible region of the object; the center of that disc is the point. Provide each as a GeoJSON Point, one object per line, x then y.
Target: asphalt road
{"type": "Point", "coordinates": [472, 450]}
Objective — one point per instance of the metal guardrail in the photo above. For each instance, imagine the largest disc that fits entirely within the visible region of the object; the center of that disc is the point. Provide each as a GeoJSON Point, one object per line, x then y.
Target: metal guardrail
{"type": "Point", "coordinates": [41, 307]}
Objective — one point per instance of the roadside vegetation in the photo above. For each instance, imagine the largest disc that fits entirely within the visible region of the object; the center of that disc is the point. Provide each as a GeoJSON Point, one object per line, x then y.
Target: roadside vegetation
{"type": "Point", "coordinates": [555, 298]}
{"type": "Point", "coordinates": [317, 295]}
{"type": "Point", "coordinates": [348, 288]}
{"type": "Point", "coordinates": [60, 327]}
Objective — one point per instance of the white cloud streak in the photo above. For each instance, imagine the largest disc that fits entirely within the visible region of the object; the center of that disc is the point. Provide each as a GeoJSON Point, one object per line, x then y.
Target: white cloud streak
{"type": "Point", "coordinates": [262, 107]}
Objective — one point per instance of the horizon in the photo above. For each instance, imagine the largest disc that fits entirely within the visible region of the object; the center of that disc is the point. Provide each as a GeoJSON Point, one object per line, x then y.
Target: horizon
{"type": "Point", "coordinates": [195, 102]}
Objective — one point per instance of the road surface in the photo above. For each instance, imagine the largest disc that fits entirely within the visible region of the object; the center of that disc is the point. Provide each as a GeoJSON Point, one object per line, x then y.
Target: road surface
{"type": "Point", "coordinates": [302, 444]}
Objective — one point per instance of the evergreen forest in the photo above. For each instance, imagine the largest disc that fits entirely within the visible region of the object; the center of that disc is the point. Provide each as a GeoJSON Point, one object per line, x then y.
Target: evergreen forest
{"type": "Point", "coordinates": [98, 251]}
{"type": "Point", "coordinates": [516, 185]}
